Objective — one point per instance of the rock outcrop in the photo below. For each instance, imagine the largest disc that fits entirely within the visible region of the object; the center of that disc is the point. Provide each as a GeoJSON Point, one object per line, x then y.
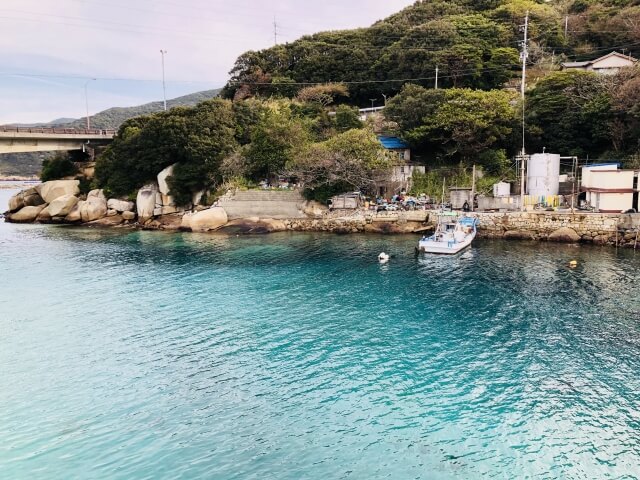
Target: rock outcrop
{"type": "Point", "coordinates": [26, 214]}
{"type": "Point", "coordinates": [25, 198]}
{"type": "Point", "coordinates": [146, 201]}
{"type": "Point", "coordinates": [120, 205]}
{"type": "Point", "coordinates": [207, 220]}
{"type": "Point", "coordinates": [53, 189]}
{"type": "Point", "coordinates": [165, 203]}
{"type": "Point", "coordinates": [74, 215]}
{"type": "Point", "coordinates": [62, 206]}
{"type": "Point", "coordinates": [95, 207]}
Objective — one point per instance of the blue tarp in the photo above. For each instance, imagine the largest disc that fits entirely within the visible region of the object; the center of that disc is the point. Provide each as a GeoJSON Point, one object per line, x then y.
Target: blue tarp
{"type": "Point", "coordinates": [392, 143]}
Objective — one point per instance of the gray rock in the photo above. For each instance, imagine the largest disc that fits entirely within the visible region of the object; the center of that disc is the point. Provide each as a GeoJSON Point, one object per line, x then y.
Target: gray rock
{"type": "Point", "coordinates": [62, 206]}
{"type": "Point", "coordinates": [163, 187]}
{"type": "Point", "coordinates": [53, 189]}
{"type": "Point", "coordinates": [26, 214]}
{"type": "Point", "coordinates": [210, 219]}
{"type": "Point", "coordinates": [94, 208]}
{"type": "Point", "coordinates": [564, 235]}
{"type": "Point", "coordinates": [120, 205]}
{"type": "Point", "coordinates": [146, 201]}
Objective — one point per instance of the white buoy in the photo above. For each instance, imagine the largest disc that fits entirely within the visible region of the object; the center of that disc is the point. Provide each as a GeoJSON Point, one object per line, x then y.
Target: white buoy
{"type": "Point", "coordinates": [383, 257]}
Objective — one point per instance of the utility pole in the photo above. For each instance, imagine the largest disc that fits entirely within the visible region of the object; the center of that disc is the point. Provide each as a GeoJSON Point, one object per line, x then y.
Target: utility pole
{"type": "Point", "coordinates": [275, 31]}
{"type": "Point", "coordinates": [372, 101]}
{"type": "Point", "coordinates": [385, 99]}
{"type": "Point", "coordinates": [86, 102]}
{"type": "Point", "coordinates": [566, 26]}
{"type": "Point", "coordinates": [523, 55]}
{"type": "Point", "coordinates": [473, 187]}
{"type": "Point", "coordinates": [164, 88]}
{"type": "Point", "coordinates": [436, 77]}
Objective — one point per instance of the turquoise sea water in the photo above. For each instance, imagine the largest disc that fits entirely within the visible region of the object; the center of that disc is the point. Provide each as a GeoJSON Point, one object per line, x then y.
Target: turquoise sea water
{"type": "Point", "coordinates": [135, 355]}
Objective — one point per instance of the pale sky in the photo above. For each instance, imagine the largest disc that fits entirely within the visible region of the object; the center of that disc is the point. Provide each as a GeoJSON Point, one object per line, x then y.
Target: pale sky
{"type": "Point", "coordinates": [49, 49]}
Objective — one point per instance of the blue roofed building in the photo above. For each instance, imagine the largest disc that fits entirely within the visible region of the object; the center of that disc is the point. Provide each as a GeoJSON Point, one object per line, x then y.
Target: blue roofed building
{"type": "Point", "coordinates": [399, 178]}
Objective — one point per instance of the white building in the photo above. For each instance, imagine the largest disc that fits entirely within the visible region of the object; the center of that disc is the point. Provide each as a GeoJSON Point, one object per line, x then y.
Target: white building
{"type": "Point", "coordinates": [609, 189]}
{"type": "Point", "coordinates": [610, 64]}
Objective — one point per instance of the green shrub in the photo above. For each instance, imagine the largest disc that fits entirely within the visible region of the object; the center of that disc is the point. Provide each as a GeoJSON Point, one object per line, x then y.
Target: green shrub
{"type": "Point", "coordinates": [57, 167]}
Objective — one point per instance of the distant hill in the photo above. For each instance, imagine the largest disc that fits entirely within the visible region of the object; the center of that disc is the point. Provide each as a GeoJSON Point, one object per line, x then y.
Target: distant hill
{"type": "Point", "coordinates": [28, 164]}
{"type": "Point", "coordinates": [56, 122]}
{"type": "Point", "coordinates": [114, 117]}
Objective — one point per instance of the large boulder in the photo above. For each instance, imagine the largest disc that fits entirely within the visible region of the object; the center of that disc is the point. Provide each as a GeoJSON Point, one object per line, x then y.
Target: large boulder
{"type": "Point", "coordinates": [185, 222]}
{"type": "Point", "coordinates": [163, 186]}
{"type": "Point", "coordinates": [128, 216]}
{"type": "Point", "coordinates": [62, 206]}
{"type": "Point", "coordinates": [32, 198]}
{"type": "Point", "coordinates": [564, 234]}
{"type": "Point", "coordinates": [97, 193]}
{"type": "Point", "coordinates": [146, 201]}
{"type": "Point", "coordinates": [120, 205]}
{"type": "Point", "coordinates": [16, 202]}
{"type": "Point", "coordinates": [74, 215]}
{"type": "Point", "coordinates": [26, 214]}
{"type": "Point", "coordinates": [94, 208]}
{"type": "Point", "coordinates": [210, 219]}
{"type": "Point", "coordinates": [53, 189]}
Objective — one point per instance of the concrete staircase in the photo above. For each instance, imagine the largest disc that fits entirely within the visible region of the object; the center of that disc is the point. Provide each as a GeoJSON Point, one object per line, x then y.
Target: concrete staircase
{"type": "Point", "coordinates": [276, 204]}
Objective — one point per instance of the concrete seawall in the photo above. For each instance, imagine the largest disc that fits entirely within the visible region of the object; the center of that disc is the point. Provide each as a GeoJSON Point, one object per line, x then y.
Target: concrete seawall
{"type": "Point", "coordinates": [278, 204]}
{"type": "Point", "coordinates": [599, 228]}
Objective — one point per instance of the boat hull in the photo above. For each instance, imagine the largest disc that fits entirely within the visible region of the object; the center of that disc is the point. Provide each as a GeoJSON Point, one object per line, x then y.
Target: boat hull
{"type": "Point", "coordinates": [444, 247]}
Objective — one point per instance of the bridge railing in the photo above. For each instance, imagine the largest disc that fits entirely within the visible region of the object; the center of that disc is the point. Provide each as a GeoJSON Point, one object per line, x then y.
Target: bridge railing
{"type": "Point", "coordinates": [58, 131]}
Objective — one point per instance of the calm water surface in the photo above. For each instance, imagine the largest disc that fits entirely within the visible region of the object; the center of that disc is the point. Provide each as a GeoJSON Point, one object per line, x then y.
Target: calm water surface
{"type": "Point", "coordinates": [135, 355]}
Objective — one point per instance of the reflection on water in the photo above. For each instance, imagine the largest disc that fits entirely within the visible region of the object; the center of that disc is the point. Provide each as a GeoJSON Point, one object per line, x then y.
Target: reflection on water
{"type": "Point", "coordinates": [128, 354]}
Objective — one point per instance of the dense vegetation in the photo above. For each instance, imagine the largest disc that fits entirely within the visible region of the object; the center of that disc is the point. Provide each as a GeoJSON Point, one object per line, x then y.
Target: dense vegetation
{"type": "Point", "coordinates": [242, 143]}
{"type": "Point", "coordinates": [473, 43]}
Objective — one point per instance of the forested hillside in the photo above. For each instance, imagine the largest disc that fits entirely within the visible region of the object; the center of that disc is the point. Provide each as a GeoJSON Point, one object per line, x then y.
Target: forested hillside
{"type": "Point", "coordinates": [473, 43]}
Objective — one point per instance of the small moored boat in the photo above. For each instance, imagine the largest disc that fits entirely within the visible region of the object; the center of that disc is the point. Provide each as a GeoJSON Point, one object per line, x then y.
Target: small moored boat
{"type": "Point", "coordinates": [452, 234]}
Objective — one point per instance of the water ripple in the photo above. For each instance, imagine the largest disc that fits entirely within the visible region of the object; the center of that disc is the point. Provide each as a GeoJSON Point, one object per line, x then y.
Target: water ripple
{"type": "Point", "coordinates": [146, 355]}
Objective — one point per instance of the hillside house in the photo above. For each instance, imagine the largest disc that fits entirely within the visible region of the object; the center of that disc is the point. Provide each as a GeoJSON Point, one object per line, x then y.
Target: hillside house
{"type": "Point", "coordinates": [609, 64]}
{"type": "Point", "coordinates": [399, 178]}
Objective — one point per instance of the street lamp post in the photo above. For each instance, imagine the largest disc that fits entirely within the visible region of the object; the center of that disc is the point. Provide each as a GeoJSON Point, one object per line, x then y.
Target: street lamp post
{"type": "Point", "coordinates": [86, 101]}
{"type": "Point", "coordinates": [372, 102]}
{"type": "Point", "coordinates": [164, 89]}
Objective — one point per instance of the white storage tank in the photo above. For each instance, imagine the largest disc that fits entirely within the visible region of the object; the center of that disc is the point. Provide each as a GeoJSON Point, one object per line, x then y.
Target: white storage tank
{"type": "Point", "coordinates": [501, 189]}
{"type": "Point", "coordinates": [543, 174]}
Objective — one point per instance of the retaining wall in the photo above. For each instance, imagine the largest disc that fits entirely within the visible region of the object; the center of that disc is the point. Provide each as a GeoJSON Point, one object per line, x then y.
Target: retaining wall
{"type": "Point", "coordinates": [277, 204]}
{"type": "Point", "coordinates": [601, 228]}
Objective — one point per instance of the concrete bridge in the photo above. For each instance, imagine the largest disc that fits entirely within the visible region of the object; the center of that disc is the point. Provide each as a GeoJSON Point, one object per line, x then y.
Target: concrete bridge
{"type": "Point", "coordinates": [27, 139]}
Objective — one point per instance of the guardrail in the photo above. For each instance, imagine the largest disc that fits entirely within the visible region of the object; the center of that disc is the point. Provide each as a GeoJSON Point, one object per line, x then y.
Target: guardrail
{"type": "Point", "coordinates": [58, 131]}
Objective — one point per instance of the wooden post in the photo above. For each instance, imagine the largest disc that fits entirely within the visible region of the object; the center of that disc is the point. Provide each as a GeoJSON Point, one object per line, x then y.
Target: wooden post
{"type": "Point", "coordinates": [473, 187]}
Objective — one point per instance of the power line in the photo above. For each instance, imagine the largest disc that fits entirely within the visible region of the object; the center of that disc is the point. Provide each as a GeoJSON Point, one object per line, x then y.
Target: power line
{"type": "Point", "coordinates": [462, 73]}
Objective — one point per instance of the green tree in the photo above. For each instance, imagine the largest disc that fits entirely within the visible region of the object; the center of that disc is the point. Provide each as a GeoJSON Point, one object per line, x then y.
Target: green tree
{"type": "Point", "coordinates": [347, 118]}
{"type": "Point", "coordinates": [569, 113]}
{"type": "Point", "coordinates": [275, 141]}
{"type": "Point", "coordinates": [350, 160]}
{"type": "Point", "coordinates": [57, 167]}
{"type": "Point", "coordinates": [469, 122]}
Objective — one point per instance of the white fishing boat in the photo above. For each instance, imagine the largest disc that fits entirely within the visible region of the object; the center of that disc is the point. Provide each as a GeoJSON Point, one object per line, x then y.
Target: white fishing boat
{"type": "Point", "coordinates": [452, 234]}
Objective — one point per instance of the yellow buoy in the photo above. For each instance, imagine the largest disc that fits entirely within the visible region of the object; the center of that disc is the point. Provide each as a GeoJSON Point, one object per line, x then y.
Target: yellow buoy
{"type": "Point", "coordinates": [573, 263]}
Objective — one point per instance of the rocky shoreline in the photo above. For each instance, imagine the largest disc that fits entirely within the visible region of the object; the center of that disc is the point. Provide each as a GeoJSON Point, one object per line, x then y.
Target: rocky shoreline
{"type": "Point", "coordinates": [60, 202]}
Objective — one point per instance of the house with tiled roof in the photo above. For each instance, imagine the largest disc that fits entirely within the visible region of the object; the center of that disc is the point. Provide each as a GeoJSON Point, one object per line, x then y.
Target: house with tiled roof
{"type": "Point", "coordinates": [609, 64]}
